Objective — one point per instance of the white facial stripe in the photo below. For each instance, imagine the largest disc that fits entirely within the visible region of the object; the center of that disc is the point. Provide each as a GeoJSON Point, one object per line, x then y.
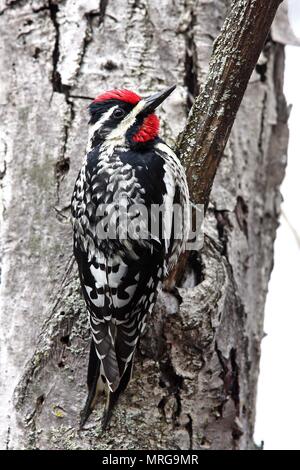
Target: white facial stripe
{"type": "Point", "coordinates": [95, 127]}
{"type": "Point", "coordinates": [118, 134]}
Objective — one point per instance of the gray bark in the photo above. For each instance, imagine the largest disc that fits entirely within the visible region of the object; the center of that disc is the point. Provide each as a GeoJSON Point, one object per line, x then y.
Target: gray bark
{"type": "Point", "coordinates": [195, 377]}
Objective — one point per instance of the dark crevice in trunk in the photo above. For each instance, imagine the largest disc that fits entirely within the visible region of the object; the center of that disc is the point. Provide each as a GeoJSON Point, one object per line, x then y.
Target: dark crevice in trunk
{"type": "Point", "coordinates": [56, 77]}
{"type": "Point", "coordinates": [262, 124]}
{"type": "Point", "coordinates": [3, 171]}
{"type": "Point", "coordinates": [173, 383]}
{"type": "Point", "coordinates": [189, 428]}
{"type": "Point", "coordinates": [7, 438]}
{"type": "Point", "coordinates": [102, 10]}
{"type": "Point", "coordinates": [63, 213]}
{"type": "Point", "coordinates": [63, 164]}
{"type": "Point", "coordinates": [12, 4]}
{"type": "Point", "coordinates": [241, 212]}
{"type": "Point", "coordinates": [100, 14]}
{"type": "Point", "coordinates": [194, 272]}
{"type": "Point", "coordinates": [190, 62]}
{"type": "Point", "coordinates": [261, 69]}
{"type": "Point", "coordinates": [234, 384]}
{"type": "Point", "coordinates": [223, 225]}
{"type": "Point", "coordinates": [168, 377]}
{"type": "Point", "coordinates": [230, 377]}
{"type": "Point", "coordinates": [81, 97]}
{"type": "Point", "coordinates": [30, 421]}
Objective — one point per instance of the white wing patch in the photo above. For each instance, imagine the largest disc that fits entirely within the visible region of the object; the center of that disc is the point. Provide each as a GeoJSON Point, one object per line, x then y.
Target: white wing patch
{"type": "Point", "coordinates": [168, 205]}
{"type": "Point", "coordinates": [99, 274]}
{"type": "Point", "coordinates": [175, 178]}
{"type": "Point", "coordinates": [99, 301]}
{"type": "Point", "coordinates": [109, 277]}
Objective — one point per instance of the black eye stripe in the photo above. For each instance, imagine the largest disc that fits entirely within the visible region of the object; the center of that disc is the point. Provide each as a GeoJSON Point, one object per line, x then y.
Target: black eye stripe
{"type": "Point", "coordinates": [98, 109]}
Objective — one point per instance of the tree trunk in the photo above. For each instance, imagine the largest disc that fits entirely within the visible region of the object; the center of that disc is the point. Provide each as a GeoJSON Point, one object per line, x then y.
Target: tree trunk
{"type": "Point", "coordinates": [194, 383]}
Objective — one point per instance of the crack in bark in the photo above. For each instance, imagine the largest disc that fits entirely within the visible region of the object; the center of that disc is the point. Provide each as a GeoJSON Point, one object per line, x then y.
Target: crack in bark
{"type": "Point", "coordinates": [11, 5]}
{"type": "Point", "coordinates": [189, 428]}
{"type": "Point", "coordinates": [261, 70]}
{"type": "Point", "coordinates": [30, 420]}
{"type": "Point", "coordinates": [81, 97]}
{"type": "Point", "coordinates": [38, 10]}
{"type": "Point", "coordinates": [3, 172]}
{"type": "Point", "coordinates": [57, 84]}
{"type": "Point", "coordinates": [2, 206]}
{"type": "Point", "coordinates": [223, 225]}
{"type": "Point", "coordinates": [56, 79]}
{"type": "Point", "coordinates": [133, 6]}
{"type": "Point", "coordinates": [230, 378]}
{"type": "Point", "coordinates": [241, 212]}
{"type": "Point", "coordinates": [262, 124]}
{"type": "Point", "coordinates": [194, 272]}
{"type": "Point", "coordinates": [61, 216]}
{"type": "Point", "coordinates": [100, 14]}
{"type": "Point", "coordinates": [7, 441]}
{"type": "Point", "coordinates": [173, 382]}
{"type": "Point", "coordinates": [63, 164]}
{"type": "Point", "coordinates": [190, 61]}
{"type": "Point", "coordinates": [169, 378]}
{"type": "Point", "coordinates": [102, 11]}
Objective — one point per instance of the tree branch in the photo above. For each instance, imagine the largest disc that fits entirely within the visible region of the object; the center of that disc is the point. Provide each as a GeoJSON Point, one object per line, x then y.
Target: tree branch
{"type": "Point", "coordinates": [235, 55]}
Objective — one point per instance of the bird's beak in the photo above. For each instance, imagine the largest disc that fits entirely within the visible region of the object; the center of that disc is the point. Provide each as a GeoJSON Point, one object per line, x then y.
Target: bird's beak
{"type": "Point", "coordinates": [151, 102]}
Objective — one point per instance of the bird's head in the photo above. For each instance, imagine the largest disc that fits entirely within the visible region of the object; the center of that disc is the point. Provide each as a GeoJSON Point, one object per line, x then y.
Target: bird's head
{"type": "Point", "coordinates": [121, 117]}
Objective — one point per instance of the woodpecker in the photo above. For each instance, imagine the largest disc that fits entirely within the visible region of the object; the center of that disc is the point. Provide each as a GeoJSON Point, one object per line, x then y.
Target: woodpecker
{"type": "Point", "coordinates": [121, 276]}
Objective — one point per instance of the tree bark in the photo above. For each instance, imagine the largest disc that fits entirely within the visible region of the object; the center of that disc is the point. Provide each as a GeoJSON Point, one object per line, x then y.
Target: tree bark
{"type": "Point", "coordinates": [194, 383]}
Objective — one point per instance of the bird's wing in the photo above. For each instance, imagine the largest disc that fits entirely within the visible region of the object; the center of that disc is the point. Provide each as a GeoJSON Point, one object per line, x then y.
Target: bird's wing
{"type": "Point", "coordinates": [177, 197]}
{"type": "Point", "coordinates": [131, 323]}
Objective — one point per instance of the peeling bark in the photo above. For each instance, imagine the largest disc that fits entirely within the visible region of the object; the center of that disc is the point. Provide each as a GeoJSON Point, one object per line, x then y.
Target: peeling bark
{"type": "Point", "coordinates": [194, 383]}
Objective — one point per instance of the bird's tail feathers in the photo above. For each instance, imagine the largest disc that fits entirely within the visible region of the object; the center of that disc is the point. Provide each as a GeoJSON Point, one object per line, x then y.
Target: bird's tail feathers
{"type": "Point", "coordinates": [103, 373]}
{"type": "Point", "coordinates": [109, 372]}
{"type": "Point", "coordinates": [113, 396]}
{"type": "Point", "coordinates": [92, 383]}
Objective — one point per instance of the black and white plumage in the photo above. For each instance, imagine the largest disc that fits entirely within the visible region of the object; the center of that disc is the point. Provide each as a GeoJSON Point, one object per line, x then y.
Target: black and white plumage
{"type": "Point", "coordinates": [126, 165]}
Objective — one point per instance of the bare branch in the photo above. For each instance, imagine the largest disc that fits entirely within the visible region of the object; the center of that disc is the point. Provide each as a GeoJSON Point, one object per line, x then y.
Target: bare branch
{"type": "Point", "coordinates": [235, 55]}
{"type": "Point", "coordinates": [203, 141]}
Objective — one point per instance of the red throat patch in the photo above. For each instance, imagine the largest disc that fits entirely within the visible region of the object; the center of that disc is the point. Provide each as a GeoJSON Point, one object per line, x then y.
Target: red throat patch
{"type": "Point", "coordinates": [123, 95]}
{"type": "Point", "coordinates": [148, 130]}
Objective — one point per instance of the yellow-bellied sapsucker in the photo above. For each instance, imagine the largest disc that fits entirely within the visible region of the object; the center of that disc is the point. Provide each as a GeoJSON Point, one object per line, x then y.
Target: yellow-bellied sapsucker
{"type": "Point", "coordinates": [127, 168]}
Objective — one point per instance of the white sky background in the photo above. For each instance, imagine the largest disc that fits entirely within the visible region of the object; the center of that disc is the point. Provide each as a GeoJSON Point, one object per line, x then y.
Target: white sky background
{"type": "Point", "coordinates": [278, 409]}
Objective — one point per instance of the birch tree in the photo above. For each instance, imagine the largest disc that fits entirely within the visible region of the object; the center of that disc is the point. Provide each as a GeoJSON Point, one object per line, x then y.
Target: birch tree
{"type": "Point", "coordinates": [195, 377]}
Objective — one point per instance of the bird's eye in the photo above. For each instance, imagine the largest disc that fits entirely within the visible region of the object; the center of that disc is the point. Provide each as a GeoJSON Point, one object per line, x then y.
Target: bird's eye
{"type": "Point", "coordinates": [118, 113]}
